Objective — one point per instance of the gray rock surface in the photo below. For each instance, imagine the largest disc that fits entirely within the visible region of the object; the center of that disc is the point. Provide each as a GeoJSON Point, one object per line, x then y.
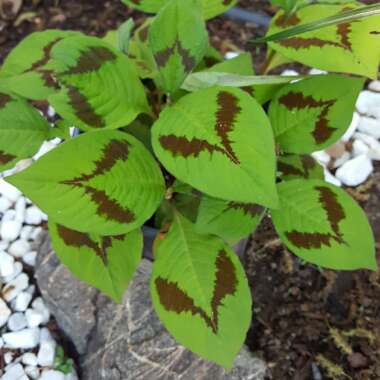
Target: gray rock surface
{"type": "Point", "coordinates": [127, 341]}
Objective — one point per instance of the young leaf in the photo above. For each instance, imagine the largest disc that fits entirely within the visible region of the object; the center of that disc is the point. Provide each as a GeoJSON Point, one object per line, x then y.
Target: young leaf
{"type": "Point", "coordinates": [311, 114]}
{"type": "Point", "coordinates": [198, 283]}
{"type": "Point", "coordinates": [296, 167]}
{"type": "Point", "coordinates": [105, 182]}
{"type": "Point", "coordinates": [323, 225]}
{"type": "Point", "coordinates": [219, 141]}
{"type": "Point", "coordinates": [231, 221]}
{"type": "Point", "coordinates": [210, 8]}
{"type": "Point", "coordinates": [176, 51]}
{"type": "Point", "coordinates": [26, 67]}
{"type": "Point", "coordinates": [101, 87]}
{"type": "Point", "coordinates": [22, 130]}
{"type": "Point", "coordinates": [106, 262]}
{"type": "Point", "coordinates": [349, 47]}
{"type": "Point", "coordinates": [124, 34]}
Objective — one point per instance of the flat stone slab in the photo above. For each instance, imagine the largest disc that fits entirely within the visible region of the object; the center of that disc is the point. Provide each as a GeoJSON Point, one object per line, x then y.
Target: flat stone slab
{"type": "Point", "coordinates": [126, 341]}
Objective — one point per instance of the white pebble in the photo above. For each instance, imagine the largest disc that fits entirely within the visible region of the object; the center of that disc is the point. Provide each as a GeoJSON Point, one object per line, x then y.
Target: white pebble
{"type": "Point", "coordinates": [46, 353]}
{"type": "Point", "coordinates": [30, 258]}
{"type": "Point", "coordinates": [36, 232]}
{"type": "Point", "coordinates": [9, 215]}
{"type": "Point", "coordinates": [71, 376]}
{"type": "Point", "coordinates": [34, 317]}
{"type": "Point", "coordinates": [16, 372]}
{"type": "Point", "coordinates": [5, 204]}
{"type": "Point", "coordinates": [4, 245]}
{"type": "Point", "coordinates": [322, 157]}
{"type": "Point", "coordinates": [1, 343]}
{"type": "Point", "coordinates": [10, 230]}
{"type": "Point", "coordinates": [17, 322]}
{"type": "Point", "coordinates": [32, 371]}
{"type": "Point", "coordinates": [45, 335]}
{"type": "Point", "coordinates": [16, 272]}
{"type": "Point", "coordinates": [7, 264]}
{"type": "Point", "coordinates": [51, 111]}
{"type": "Point", "coordinates": [332, 179]}
{"type": "Point", "coordinates": [352, 128]}
{"type": "Point", "coordinates": [355, 171]}
{"type": "Point", "coordinates": [52, 375]}
{"type": "Point", "coordinates": [22, 301]}
{"type": "Point", "coordinates": [23, 164]}
{"type": "Point", "coordinates": [374, 86]}
{"type": "Point", "coordinates": [289, 73]}
{"type": "Point", "coordinates": [4, 313]}
{"type": "Point", "coordinates": [33, 215]}
{"type": "Point", "coordinates": [369, 126]}
{"type": "Point", "coordinates": [14, 287]}
{"type": "Point", "coordinates": [341, 160]}
{"type": "Point", "coordinates": [26, 232]}
{"type": "Point", "coordinates": [314, 71]}
{"type": "Point", "coordinates": [359, 148]}
{"type": "Point", "coordinates": [9, 191]}
{"type": "Point", "coordinates": [46, 147]}
{"type": "Point", "coordinates": [31, 289]}
{"type": "Point", "coordinates": [29, 359]}
{"type": "Point", "coordinates": [373, 144]}
{"type": "Point", "coordinates": [19, 248]}
{"type": "Point", "coordinates": [231, 54]}
{"type": "Point", "coordinates": [368, 103]}
{"type": "Point", "coordinates": [24, 339]}
{"type": "Point", "coordinates": [39, 305]}
{"type": "Point", "coordinates": [20, 208]}
{"type": "Point", "coordinates": [8, 357]}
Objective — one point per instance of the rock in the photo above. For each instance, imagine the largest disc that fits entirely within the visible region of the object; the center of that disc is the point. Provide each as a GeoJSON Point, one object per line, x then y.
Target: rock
{"type": "Point", "coordinates": [289, 73]}
{"type": "Point", "coordinates": [51, 111]}
{"type": "Point", "coordinates": [8, 357]}
{"type": "Point", "coordinates": [125, 341]}
{"type": "Point", "coordinates": [9, 215]}
{"type": "Point", "coordinates": [374, 86]}
{"type": "Point", "coordinates": [10, 229]}
{"type": "Point", "coordinates": [19, 248]}
{"type": "Point", "coordinates": [315, 71]}
{"type": "Point", "coordinates": [35, 233]}
{"type": "Point", "coordinates": [52, 375]}
{"type": "Point", "coordinates": [332, 179]}
{"type": "Point", "coordinates": [17, 322]}
{"type": "Point", "coordinates": [7, 264]}
{"type": "Point", "coordinates": [16, 372]}
{"type": "Point", "coordinates": [46, 147]}
{"type": "Point", "coordinates": [368, 104]}
{"type": "Point", "coordinates": [23, 164]}
{"type": "Point", "coordinates": [46, 353]}
{"type": "Point", "coordinates": [33, 372]}
{"type": "Point", "coordinates": [39, 305]}
{"type": "Point", "coordinates": [1, 343]}
{"type": "Point", "coordinates": [26, 232]}
{"type": "Point", "coordinates": [322, 157]}
{"type": "Point", "coordinates": [369, 126]}
{"type": "Point", "coordinates": [4, 245]}
{"type": "Point", "coordinates": [352, 128]}
{"type": "Point", "coordinates": [34, 318]}
{"type": "Point", "coordinates": [336, 150]}
{"type": "Point", "coordinates": [17, 270]}
{"type": "Point", "coordinates": [231, 54]}
{"type": "Point", "coordinates": [22, 301]}
{"type": "Point", "coordinates": [4, 313]}
{"type": "Point", "coordinates": [355, 171]}
{"type": "Point", "coordinates": [5, 204]}
{"type": "Point", "coordinates": [29, 359]}
{"type": "Point", "coordinates": [359, 148]}
{"type": "Point", "coordinates": [357, 360]}
{"type": "Point", "coordinates": [341, 160]}
{"type": "Point", "coordinates": [30, 258]}
{"type": "Point", "coordinates": [20, 208]}
{"type": "Point", "coordinates": [71, 376]}
{"type": "Point", "coordinates": [373, 144]}
{"type": "Point", "coordinates": [24, 339]}
{"type": "Point", "coordinates": [9, 191]}
{"type": "Point", "coordinates": [33, 215]}
{"type": "Point", "coordinates": [16, 286]}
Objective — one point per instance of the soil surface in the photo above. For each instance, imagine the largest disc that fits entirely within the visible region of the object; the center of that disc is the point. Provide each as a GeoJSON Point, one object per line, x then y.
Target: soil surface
{"type": "Point", "coordinates": [308, 323]}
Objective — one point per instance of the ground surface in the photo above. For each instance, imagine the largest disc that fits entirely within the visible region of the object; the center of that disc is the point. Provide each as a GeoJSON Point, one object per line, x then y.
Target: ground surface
{"type": "Point", "coordinates": [306, 322]}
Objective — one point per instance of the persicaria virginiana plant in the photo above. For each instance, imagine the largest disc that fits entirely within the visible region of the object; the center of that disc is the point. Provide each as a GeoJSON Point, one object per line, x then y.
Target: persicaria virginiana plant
{"type": "Point", "coordinates": [173, 135]}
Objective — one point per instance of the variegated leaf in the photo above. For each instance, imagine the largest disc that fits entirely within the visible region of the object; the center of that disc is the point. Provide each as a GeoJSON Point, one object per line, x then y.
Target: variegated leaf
{"type": "Point", "coordinates": [198, 282]}
{"type": "Point", "coordinates": [323, 225]}
{"type": "Point", "coordinates": [176, 51]}
{"type": "Point", "coordinates": [22, 130]}
{"type": "Point", "coordinates": [219, 141]}
{"type": "Point", "coordinates": [101, 87]}
{"type": "Point", "coordinates": [312, 114]}
{"type": "Point", "coordinates": [296, 167]}
{"type": "Point", "coordinates": [351, 47]}
{"type": "Point", "coordinates": [105, 182]}
{"type": "Point", "coordinates": [106, 262]}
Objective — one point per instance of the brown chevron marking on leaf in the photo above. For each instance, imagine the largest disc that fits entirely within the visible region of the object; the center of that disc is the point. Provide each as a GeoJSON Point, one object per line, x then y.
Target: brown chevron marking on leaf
{"type": "Point", "coordinates": [187, 60]}
{"type": "Point", "coordinates": [344, 30]}
{"type": "Point", "coordinates": [225, 119]}
{"type": "Point", "coordinates": [297, 100]}
{"type": "Point", "coordinates": [335, 214]}
{"type": "Point", "coordinates": [49, 79]}
{"type": "Point", "coordinates": [6, 157]}
{"type": "Point", "coordinates": [92, 59]}
{"type": "Point", "coordinates": [46, 55]}
{"type": "Point", "coordinates": [4, 99]}
{"type": "Point", "coordinates": [83, 109]}
{"type": "Point", "coordinates": [163, 56]}
{"type": "Point", "coordinates": [375, 33]}
{"type": "Point", "coordinates": [143, 33]}
{"type": "Point", "coordinates": [285, 20]}
{"type": "Point", "coordinates": [78, 239]}
{"type": "Point", "coordinates": [251, 209]}
{"type": "Point", "coordinates": [174, 299]}
{"type": "Point", "coordinates": [287, 169]}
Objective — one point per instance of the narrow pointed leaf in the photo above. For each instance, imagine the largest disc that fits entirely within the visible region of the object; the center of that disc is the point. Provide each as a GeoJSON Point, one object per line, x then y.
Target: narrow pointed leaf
{"type": "Point", "coordinates": [219, 141]}
{"type": "Point", "coordinates": [101, 87]}
{"type": "Point", "coordinates": [314, 113]}
{"type": "Point", "coordinates": [299, 166]}
{"type": "Point", "coordinates": [176, 51]}
{"type": "Point", "coordinates": [22, 130]}
{"type": "Point", "coordinates": [231, 221]}
{"type": "Point", "coordinates": [200, 292]}
{"type": "Point", "coordinates": [105, 182]}
{"type": "Point", "coordinates": [106, 262]}
{"type": "Point", "coordinates": [349, 47]}
{"type": "Point", "coordinates": [323, 225]}
{"type": "Point", "coordinates": [210, 8]}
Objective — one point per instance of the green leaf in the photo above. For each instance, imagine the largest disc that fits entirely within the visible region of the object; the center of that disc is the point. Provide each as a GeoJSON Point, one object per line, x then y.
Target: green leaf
{"type": "Point", "coordinates": [219, 141]}
{"type": "Point", "coordinates": [296, 167]}
{"type": "Point", "coordinates": [104, 182]}
{"type": "Point", "coordinates": [312, 114]}
{"type": "Point", "coordinates": [200, 292]}
{"type": "Point", "coordinates": [210, 8]}
{"type": "Point", "coordinates": [231, 221]}
{"type": "Point", "coordinates": [124, 33]}
{"type": "Point", "coordinates": [106, 262]}
{"type": "Point", "coordinates": [323, 225]}
{"type": "Point", "coordinates": [22, 130]}
{"type": "Point", "coordinates": [176, 51]}
{"type": "Point", "coordinates": [101, 87]}
{"type": "Point", "coordinates": [26, 68]}
{"type": "Point", "coordinates": [241, 65]}
{"type": "Point", "coordinates": [349, 47]}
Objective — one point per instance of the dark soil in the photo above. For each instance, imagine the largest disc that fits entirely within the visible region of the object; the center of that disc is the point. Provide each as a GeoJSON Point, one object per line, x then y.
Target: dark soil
{"type": "Point", "coordinates": [307, 323]}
